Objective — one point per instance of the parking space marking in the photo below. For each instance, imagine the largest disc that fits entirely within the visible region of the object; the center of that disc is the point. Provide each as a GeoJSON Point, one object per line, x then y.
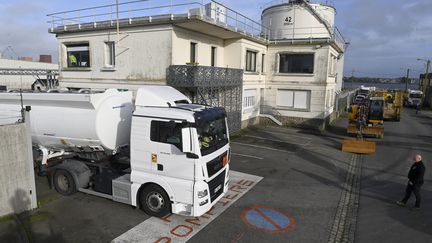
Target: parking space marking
{"type": "Point", "coordinates": [263, 147]}
{"type": "Point", "coordinates": [176, 228]}
{"type": "Point", "coordinates": [248, 156]}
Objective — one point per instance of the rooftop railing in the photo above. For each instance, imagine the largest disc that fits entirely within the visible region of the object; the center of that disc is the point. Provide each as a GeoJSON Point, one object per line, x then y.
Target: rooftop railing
{"type": "Point", "coordinates": [210, 10]}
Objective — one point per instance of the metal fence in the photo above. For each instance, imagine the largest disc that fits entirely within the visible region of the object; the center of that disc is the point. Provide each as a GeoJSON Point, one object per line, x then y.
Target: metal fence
{"type": "Point", "coordinates": [212, 86]}
{"type": "Point", "coordinates": [343, 100]}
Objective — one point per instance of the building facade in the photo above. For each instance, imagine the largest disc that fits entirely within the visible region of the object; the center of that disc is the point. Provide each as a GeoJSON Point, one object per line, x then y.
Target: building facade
{"type": "Point", "coordinates": [290, 70]}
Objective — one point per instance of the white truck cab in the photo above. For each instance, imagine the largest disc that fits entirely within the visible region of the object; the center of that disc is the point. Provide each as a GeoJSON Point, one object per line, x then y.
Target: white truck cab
{"type": "Point", "coordinates": [414, 98]}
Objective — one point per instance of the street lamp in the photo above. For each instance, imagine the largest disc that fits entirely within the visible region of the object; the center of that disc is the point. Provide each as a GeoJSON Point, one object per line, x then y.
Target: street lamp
{"type": "Point", "coordinates": [426, 83]}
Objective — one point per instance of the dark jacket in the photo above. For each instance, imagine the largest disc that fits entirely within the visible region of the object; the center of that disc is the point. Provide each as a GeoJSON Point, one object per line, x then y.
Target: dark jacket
{"type": "Point", "coordinates": [416, 173]}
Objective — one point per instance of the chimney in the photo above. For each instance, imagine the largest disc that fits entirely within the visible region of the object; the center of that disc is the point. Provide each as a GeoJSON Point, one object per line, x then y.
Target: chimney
{"type": "Point", "coordinates": [45, 58]}
{"type": "Point", "coordinates": [28, 59]}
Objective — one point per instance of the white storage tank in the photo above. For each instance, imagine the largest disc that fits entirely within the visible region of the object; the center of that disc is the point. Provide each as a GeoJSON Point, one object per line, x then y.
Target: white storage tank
{"type": "Point", "coordinates": [65, 120]}
{"type": "Point", "coordinates": [295, 20]}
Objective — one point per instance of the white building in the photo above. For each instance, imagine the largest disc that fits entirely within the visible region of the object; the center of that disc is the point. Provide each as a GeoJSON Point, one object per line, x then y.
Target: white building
{"type": "Point", "coordinates": [292, 62]}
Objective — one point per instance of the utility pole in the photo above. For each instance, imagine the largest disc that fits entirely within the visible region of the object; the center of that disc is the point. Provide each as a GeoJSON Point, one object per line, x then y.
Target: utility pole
{"type": "Point", "coordinates": [426, 82]}
{"type": "Point", "coordinates": [407, 79]}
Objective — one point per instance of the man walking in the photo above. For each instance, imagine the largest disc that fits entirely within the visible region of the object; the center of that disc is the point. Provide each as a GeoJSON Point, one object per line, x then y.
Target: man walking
{"type": "Point", "coordinates": [415, 182]}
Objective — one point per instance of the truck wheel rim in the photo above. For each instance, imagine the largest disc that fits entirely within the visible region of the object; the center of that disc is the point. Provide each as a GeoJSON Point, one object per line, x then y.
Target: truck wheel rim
{"type": "Point", "coordinates": [155, 202]}
{"type": "Point", "coordinates": [63, 182]}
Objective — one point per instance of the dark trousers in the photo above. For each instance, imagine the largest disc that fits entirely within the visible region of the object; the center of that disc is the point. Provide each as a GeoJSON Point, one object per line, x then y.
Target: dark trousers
{"type": "Point", "coordinates": [410, 189]}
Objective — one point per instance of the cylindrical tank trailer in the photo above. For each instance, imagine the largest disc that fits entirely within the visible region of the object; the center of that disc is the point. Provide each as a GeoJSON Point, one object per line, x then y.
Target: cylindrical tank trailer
{"type": "Point", "coordinates": [66, 120]}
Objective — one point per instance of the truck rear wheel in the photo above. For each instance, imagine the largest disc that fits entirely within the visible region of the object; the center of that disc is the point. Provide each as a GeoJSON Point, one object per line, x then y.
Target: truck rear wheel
{"type": "Point", "coordinates": [154, 201]}
{"type": "Point", "coordinates": [64, 183]}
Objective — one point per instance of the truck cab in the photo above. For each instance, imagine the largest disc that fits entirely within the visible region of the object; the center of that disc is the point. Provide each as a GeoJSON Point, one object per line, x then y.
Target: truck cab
{"type": "Point", "coordinates": [182, 148]}
{"type": "Point", "coordinates": [413, 98]}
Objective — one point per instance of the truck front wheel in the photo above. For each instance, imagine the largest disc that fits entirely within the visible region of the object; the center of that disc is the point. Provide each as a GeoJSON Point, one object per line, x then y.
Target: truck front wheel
{"type": "Point", "coordinates": [155, 201]}
{"type": "Point", "coordinates": [64, 183]}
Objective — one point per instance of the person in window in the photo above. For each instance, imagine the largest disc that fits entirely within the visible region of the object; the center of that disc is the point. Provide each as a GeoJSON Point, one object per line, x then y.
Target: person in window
{"type": "Point", "coordinates": [73, 60]}
{"type": "Point", "coordinates": [205, 139]}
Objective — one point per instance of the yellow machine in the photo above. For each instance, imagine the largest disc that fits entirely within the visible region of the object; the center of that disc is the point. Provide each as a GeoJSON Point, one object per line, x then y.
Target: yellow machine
{"type": "Point", "coordinates": [393, 103]}
{"type": "Point", "coordinates": [360, 114]}
{"type": "Point", "coordinates": [373, 114]}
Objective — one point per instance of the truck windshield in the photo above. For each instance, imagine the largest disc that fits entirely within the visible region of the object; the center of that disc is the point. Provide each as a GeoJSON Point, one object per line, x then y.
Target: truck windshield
{"type": "Point", "coordinates": [212, 133]}
{"type": "Point", "coordinates": [415, 96]}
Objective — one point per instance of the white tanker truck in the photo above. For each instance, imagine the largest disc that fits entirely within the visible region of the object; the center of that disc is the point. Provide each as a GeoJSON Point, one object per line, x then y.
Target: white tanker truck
{"type": "Point", "coordinates": [162, 154]}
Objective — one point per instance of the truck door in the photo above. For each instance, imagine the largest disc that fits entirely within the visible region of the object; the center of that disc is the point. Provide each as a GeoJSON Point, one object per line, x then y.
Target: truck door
{"type": "Point", "coordinates": [171, 161]}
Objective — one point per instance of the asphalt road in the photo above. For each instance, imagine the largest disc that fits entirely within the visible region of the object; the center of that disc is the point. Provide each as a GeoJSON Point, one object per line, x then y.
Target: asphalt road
{"type": "Point", "coordinates": [384, 178]}
{"type": "Point", "coordinates": [303, 179]}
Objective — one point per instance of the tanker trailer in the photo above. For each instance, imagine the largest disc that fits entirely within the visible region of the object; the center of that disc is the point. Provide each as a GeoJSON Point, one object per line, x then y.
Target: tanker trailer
{"type": "Point", "coordinates": [177, 156]}
{"type": "Point", "coordinates": [93, 125]}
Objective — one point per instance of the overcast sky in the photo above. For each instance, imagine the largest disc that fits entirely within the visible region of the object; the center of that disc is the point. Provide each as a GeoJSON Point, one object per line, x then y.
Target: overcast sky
{"type": "Point", "coordinates": [385, 35]}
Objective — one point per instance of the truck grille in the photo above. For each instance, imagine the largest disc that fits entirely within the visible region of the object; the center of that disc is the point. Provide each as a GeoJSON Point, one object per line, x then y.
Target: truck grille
{"type": "Point", "coordinates": [215, 165]}
{"type": "Point", "coordinates": [216, 186]}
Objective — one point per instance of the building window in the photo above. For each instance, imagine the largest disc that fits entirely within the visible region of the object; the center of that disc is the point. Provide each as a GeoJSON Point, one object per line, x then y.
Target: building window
{"type": "Point", "coordinates": [166, 132]}
{"type": "Point", "coordinates": [213, 56]}
{"type": "Point", "coordinates": [249, 98]}
{"type": "Point", "coordinates": [78, 55]}
{"type": "Point", "coordinates": [293, 99]}
{"type": "Point", "coordinates": [263, 63]}
{"type": "Point", "coordinates": [109, 54]}
{"type": "Point", "coordinates": [193, 51]}
{"type": "Point", "coordinates": [251, 61]}
{"type": "Point", "coordinates": [296, 63]}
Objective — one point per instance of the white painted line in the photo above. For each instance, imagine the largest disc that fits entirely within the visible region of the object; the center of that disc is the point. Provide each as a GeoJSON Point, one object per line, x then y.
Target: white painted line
{"type": "Point", "coordinates": [248, 156]}
{"type": "Point", "coordinates": [176, 228]}
{"type": "Point", "coordinates": [289, 135]}
{"type": "Point", "coordinates": [263, 147]}
{"type": "Point", "coordinates": [275, 140]}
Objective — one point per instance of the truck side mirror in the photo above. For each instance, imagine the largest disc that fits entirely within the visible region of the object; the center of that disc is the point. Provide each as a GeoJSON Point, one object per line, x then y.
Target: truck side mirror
{"type": "Point", "coordinates": [186, 140]}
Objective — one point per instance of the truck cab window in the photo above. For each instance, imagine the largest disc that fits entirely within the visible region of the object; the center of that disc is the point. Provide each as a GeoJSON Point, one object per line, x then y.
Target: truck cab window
{"type": "Point", "coordinates": [166, 132]}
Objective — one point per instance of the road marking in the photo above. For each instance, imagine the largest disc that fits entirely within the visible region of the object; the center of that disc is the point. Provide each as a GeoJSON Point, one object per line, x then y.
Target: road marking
{"type": "Point", "coordinates": [276, 140]}
{"type": "Point", "coordinates": [248, 156]}
{"type": "Point", "coordinates": [263, 147]}
{"type": "Point", "coordinates": [267, 219]}
{"type": "Point", "coordinates": [176, 228]}
{"type": "Point", "coordinates": [289, 135]}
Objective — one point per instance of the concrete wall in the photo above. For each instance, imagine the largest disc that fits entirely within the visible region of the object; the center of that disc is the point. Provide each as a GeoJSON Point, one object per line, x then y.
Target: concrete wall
{"type": "Point", "coordinates": [17, 182]}
{"type": "Point", "coordinates": [142, 57]}
{"type": "Point", "coordinates": [14, 81]}
{"type": "Point", "coordinates": [182, 39]}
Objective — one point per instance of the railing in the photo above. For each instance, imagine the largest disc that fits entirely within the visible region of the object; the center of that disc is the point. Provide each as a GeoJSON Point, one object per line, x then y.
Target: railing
{"type": "Point", "coordinates": [202, 76]}
{"type": "Point", "coordinates": [211, 10]}
{"type": "Point", "coordinates": [278, 2]}
{"type": "Point", "coordinates": [301, 33]}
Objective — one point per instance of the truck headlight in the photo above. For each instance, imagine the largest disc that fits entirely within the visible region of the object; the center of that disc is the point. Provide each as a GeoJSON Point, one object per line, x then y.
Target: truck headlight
{"type": "Point", "coordinates": [202, 194]}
